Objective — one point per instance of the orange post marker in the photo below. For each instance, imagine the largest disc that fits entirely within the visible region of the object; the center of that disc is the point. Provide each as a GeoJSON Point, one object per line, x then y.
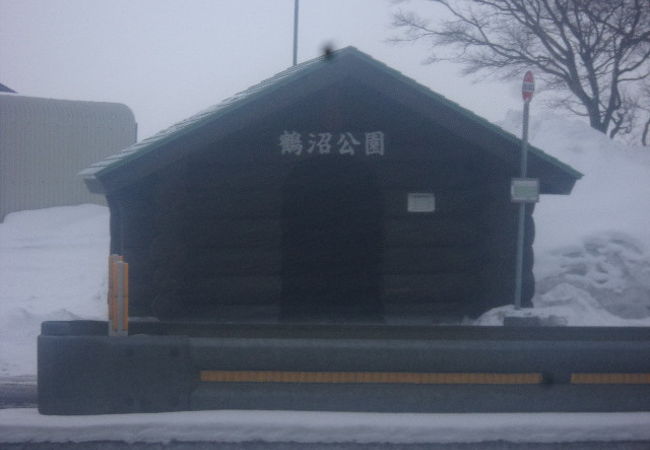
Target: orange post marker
{"type": "Point", "coordinates": [125, 297]}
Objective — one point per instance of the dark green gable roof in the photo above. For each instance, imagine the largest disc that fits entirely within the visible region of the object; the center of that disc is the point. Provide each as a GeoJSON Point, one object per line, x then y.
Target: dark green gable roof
{"type": "Point", "coordinates": [162, 149]}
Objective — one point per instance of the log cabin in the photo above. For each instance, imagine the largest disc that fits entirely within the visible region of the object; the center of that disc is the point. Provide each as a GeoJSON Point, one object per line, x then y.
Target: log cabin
{"type": "Point", "coordinates": [337, 190]}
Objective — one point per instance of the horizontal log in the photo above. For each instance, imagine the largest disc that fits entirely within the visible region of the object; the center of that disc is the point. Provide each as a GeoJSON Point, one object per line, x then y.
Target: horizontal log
{"type": "Point", "coordinates": [504, 263]}
{"type": "Point", "coordinates": [223, 233]}
{"type": "Point", "coordinates": [179, 307]}
{"type": "Point", "coordinates": [244, 313]}
{"type": "Point", "coordinates": [343, 283]}
{"type": "Point", "coordinates": [245, 176]}
{"type": "Point", "coordinates": [137, 221]}
{"type": "Point", "coordinates": [414, 230]}
{"type": "Point", "coordinates": [268, 203]}
{"type": "Point", "coordinates": [235, 290]}
{"type": "Point", "coordinates": [430, 231]}
{"type": "Point", "coordinates": [139, 236]}
{"type": "Point", "coordinates": [235, 261]}
{"type": "Point", "coordinates": [137, 195]}
{"type": "Point", "coordinates": [434, 310]}
{"type": "Point", "coordinates": [268, 261]}
{"type": "Point", "coordinates": [503, 216]}
{"type": "Point", "coordinates": [456, 203]}
{"type": "Point", "coordinates": [230, 203]}
{"type": "Point", "coordinates": [168, 250]}
{"type": "Point", "coordinates": [453, 173]}
{"type": "Point", "coordinates": [411, 260]}
{"type": "Point", "coordinates": [430, 287]}
{"type": "Point", "coordinates": [330, 264]}
{"type": "Point", "coordinates": [244, 261]}
{"type": "Point", "coordinates": [325, 205]}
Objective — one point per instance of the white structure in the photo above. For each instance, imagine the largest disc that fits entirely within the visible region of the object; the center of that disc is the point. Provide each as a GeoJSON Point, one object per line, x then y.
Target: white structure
{"type": "Point", "coordinates": [45, 143]}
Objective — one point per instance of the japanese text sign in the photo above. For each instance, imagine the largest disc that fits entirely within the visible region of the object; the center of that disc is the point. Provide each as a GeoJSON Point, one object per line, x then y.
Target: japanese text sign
{"type": "Point", "coordinates": [369, 143]}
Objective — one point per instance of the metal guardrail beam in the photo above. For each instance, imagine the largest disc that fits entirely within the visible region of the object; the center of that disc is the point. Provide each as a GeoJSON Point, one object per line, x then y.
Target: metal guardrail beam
{"type": "Point", "coordinates": [342, 369]}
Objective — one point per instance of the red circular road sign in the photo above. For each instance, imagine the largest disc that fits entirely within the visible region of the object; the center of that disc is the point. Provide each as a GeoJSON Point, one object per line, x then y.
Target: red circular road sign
{"type": "Point", "coordinates": [528, 87]}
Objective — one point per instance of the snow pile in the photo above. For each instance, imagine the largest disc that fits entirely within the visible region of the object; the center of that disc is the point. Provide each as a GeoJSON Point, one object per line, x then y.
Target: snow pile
{"type": "Point", "coordinates": [612, 195]}
{"type": "Point", "coordinates": [611, 267]}
{"type": "Point", "coordinates": [26, 425]}
{"type": "Point", "coordinates": [52, 267]}
{"type": "Point", "coordinates": [592, 261]}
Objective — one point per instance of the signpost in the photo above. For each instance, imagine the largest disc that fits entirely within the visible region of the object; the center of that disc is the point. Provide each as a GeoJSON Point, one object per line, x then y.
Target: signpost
{"type": "Point", "coordinates": [296, 5]}
{"type": "Point", "coordinates": [523, 190]}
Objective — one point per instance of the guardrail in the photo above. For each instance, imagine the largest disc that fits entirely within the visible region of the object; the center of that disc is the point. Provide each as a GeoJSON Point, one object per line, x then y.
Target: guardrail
{"type": "Point", "coordinates": [175, 367]}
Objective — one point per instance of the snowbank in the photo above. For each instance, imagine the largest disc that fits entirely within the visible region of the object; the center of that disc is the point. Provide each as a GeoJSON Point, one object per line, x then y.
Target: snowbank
{"type": "Point", "coordinates": [613, 195]}
{"type": "Point", "coordinates": [52, 267]}
{"type": "Point", "coordinates": [592, 260]}
{"type": "Point", "coordinates": [26, 425]}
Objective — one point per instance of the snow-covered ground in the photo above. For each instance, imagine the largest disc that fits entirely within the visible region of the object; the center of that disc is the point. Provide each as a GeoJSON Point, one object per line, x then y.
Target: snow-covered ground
{"type": "Point", "coordinates": [52, 267]}
{"type": "Point", "coordinates": [27, 425]}
{"type": "Point", "coordinates": [592, 261]}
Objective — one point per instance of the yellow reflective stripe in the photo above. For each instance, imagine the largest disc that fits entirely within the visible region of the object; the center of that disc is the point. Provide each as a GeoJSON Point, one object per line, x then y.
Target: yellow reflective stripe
{"type": "Point", "coordinates": [264, 376]}
{"type": "Point", "coordinates": [610, 378]}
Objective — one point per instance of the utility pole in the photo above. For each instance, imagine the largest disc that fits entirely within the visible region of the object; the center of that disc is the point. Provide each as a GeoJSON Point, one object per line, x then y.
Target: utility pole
{"type": "Point", "coordinates": [295, 31]}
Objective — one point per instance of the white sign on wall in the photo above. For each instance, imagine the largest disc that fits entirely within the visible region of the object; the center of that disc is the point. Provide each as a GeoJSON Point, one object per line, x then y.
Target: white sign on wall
{"type": "Point", "coordinates": [369, 143]}
{"type": "Point", "coordinates": [421, 202]}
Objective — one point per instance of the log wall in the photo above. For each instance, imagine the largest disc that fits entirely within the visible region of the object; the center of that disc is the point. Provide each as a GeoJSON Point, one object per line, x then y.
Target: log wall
{"type": "Point", "coordinates": [205, 237]}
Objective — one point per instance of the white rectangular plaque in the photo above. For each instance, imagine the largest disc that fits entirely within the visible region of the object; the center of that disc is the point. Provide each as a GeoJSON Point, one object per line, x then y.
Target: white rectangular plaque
{"type": "Point", "coordinates": [421, 202]}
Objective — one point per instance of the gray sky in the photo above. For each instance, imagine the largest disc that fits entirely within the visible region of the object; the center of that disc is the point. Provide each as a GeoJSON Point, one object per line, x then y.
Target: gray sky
{"type": "Point", "coordinates": [168, 59]}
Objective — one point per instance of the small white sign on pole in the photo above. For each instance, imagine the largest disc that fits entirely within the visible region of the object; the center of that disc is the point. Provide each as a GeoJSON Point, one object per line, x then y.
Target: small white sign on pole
{"type": "Point", "coordinates": [524, 190]}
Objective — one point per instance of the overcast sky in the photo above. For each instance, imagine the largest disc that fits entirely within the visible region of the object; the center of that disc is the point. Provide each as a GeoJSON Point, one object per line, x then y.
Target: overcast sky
{"type": "Point", "coordinates": [168, 59]}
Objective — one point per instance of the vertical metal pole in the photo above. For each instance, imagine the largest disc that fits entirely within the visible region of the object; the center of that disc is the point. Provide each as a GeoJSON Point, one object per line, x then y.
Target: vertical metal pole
{"type": "Point", "coordinates": [522, 211]}
{"type": "Point", "coordinates": [295, 32]}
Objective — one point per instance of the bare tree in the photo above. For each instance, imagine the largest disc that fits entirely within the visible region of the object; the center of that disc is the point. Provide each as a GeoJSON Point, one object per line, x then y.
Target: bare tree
{"type": "Point", "coordinates": [597, 51]}
{"type": "Point", "coordinates": [644, 106]}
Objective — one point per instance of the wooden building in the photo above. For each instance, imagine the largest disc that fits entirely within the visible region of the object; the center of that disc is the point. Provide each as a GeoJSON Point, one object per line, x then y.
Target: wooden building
{"type": "Point", "coordinates": [338, 189]}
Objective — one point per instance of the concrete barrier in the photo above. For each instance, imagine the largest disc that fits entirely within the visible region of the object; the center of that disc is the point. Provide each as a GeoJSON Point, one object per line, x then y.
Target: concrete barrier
{"type": "Point", "coordinates": [191, 366]}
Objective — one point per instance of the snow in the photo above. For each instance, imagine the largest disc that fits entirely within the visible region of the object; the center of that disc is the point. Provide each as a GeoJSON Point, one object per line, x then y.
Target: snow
{"type": "Point", "coordinates": [52, 267]}
{"type": "Point", "coordinates": [592, 260]}
{"type": "Point", "coordinates": [26, 425]}
{"type": "Point", "coordinates": [613, 194]}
